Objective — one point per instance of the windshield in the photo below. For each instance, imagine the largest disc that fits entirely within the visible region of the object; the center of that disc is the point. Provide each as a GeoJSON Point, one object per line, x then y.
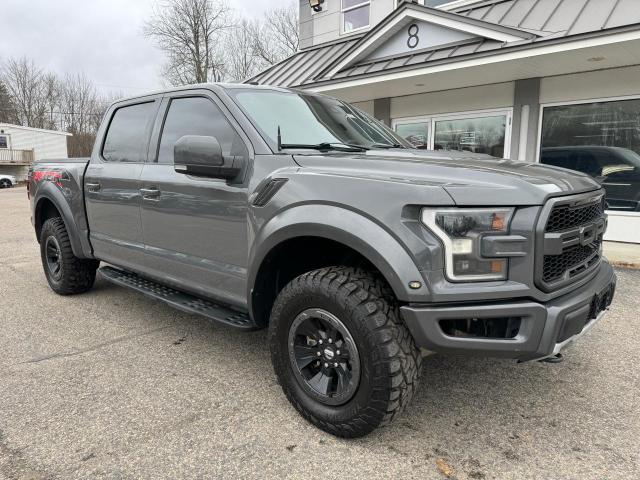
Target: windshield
{"type": "Point", "coordinates": [308, 120]}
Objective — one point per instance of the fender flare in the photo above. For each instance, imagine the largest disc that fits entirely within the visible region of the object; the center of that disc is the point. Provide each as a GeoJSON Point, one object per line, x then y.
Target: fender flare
{"type": "Point", "coordinates": [349, 228]}
{"type": "Point", "coordinates": [51, 193]}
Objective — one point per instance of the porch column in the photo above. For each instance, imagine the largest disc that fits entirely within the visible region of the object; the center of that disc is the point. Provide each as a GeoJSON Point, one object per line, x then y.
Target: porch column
{"type": "Point", "coordinates": [526, 111]}
{"type": "Point", "coordinates": [382, 110]}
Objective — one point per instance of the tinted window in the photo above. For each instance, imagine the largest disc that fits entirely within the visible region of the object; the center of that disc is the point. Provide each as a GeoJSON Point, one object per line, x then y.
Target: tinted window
{"type": "Point", "coordinates": [127, 137]}
{"type": "Point", "coordinates": [198, 116]}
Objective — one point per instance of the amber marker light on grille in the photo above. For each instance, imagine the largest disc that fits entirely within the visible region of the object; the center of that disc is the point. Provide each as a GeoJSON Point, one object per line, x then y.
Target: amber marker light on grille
{"type": "Point", "coordinates": [498, 222]}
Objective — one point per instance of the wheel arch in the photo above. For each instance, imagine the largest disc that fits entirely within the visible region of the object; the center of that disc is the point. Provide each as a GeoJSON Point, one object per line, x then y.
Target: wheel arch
{"type": "Point", "coordinates": [51, 203]}
{"type": "Point", "coordinates": [309, 237]}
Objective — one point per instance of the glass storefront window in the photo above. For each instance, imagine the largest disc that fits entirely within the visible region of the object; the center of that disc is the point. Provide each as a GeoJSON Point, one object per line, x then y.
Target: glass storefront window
{"type": "Point", "coordinates": [478, 132]}
{"type": "Point", "coordinates": [417, 134]}
{"type": "Point", "coordinates": [601, 139]}
{"type": "Point", "coordinates": [477, 135]}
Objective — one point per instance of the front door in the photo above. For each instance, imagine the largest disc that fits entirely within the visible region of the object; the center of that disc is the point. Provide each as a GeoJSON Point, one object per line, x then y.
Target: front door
{"type": "Point", "coordinates": [112, 186]}
{"type": "Point", "coordinates": [195, 228]}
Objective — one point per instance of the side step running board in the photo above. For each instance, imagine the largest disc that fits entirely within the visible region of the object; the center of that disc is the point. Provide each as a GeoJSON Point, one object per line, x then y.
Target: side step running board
{"type": "Point", "coordinates": [180, 300]}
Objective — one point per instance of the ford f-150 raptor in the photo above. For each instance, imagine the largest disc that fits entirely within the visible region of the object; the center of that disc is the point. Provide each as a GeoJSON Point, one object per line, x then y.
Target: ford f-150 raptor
{"type": "Point", "coordinates": [262, 207]}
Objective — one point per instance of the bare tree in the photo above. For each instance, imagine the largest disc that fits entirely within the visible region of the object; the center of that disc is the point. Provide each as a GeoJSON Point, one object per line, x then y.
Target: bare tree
{"type": "Point", "coordinates": [51, 92]}
{"type": "Point", "coordinates": [241, 61]}
{"type": "Point", "coordinates": [26, 85]}
{"type": "Point", "coordinates": [276, 36]}
{"type": "Point", "coordinates": [79, 105]}
{"type": "Point", "coordinates": [191, 33]}
{"type": "Point", "coordinates": [7, 112]}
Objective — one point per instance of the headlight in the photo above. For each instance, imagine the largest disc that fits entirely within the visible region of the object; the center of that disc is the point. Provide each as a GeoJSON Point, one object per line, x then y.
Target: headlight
{"type": "Point", "coordinates": [461, 230]}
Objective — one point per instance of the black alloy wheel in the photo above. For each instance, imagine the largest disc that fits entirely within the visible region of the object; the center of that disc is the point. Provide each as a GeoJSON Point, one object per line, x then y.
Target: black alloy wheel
{"type": "Point", "coordinates": [324, 356]}
{"type": "Point", "coordinates": [53, 255]}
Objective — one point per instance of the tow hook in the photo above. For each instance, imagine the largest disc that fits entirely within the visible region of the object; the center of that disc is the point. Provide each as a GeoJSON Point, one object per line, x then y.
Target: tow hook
{"type": "Point", "coordinates": [557, 358]}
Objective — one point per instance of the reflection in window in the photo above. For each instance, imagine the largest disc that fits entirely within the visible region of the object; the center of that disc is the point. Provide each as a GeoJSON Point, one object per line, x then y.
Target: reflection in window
{"type": "Point", "coordinates": [4, 141]}
{"type": "Point", "coordinates": [477, 135]}
{"type": "Point", "coordinates": [601, 139]}
{"type": "Point", "coordinates": [417, 134]}
{"type": "Point", "coordinates": [355, 14]}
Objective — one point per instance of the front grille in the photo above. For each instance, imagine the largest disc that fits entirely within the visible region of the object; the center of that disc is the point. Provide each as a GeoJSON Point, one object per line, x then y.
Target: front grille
{"type": "Point", "coordinates": [570, 236]}
{"type": "Point", "coordinates": [575, 260]}
{"type": "Point", "coordinates": [564, 217]}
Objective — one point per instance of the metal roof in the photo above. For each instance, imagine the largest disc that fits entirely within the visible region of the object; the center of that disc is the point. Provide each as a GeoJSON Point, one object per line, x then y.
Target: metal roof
{"type": "Point", "coordinates": [568, 17]}
{"type": "Point", "coordinates": [544, 19]}
{"type": "Point", "coordinates": [304, 66]}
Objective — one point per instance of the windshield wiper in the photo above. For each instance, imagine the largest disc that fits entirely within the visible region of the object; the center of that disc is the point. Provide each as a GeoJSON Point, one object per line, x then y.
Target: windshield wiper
{"type": "Point", "coordinates": [386, 145]}
{"type": "Point", "coordinates": [324, 146]}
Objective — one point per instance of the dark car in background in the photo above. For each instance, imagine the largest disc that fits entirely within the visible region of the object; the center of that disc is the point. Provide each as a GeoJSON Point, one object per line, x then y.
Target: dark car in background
{"type": "Point", "coordinates": [617, 169]}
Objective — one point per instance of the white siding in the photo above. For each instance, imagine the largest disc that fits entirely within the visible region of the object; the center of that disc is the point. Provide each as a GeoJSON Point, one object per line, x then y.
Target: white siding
{"type": "Point", "coordinates": [366, 107]}
{"type": "Point", "coordinates": [584, 86]}
{"type": "Point", "coordinates": [325, 26]}
{"type": "Point", "coordinates": [44, 144]}
{"type": "Point", "coordinates": [485, 97]}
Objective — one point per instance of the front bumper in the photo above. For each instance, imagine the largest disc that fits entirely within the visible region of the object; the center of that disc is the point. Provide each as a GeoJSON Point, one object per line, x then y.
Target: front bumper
{"type": "Point", "coordinates": [545, 328]}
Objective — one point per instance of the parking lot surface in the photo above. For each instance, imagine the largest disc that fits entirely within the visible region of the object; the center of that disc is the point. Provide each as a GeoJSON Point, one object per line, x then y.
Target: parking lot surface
{"type": "Point", "coordinates": [113, 385]}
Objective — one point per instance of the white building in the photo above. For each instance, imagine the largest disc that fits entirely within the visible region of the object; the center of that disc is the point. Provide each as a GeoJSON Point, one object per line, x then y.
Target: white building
{"type": "Point", "coordinates": [21, 146]}
{"type": "Point", "coordinates": [552, 81]}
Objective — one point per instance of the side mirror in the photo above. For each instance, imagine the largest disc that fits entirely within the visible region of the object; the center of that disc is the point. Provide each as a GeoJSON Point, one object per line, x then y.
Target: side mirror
{"type": "Point", "coordinates": [202, 156]}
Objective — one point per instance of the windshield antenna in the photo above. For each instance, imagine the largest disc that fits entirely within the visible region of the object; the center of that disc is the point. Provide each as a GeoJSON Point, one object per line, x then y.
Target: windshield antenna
{"type": "Point", "coordinates": [279, 140]}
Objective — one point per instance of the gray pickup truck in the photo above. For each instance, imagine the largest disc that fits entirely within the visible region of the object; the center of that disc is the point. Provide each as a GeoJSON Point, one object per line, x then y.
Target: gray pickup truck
{"type": "Point", "coordinates": [262, 207]}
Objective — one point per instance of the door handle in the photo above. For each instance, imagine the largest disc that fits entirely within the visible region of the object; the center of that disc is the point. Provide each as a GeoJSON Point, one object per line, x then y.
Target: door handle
{"type": "Point", "coordinates": [150, 192]}
{"type": "Point", "coordinates": [93, 187]}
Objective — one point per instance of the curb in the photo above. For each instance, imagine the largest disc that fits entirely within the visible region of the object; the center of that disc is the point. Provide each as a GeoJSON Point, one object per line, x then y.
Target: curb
{"type": "Point", "coordinates": [622, 264]}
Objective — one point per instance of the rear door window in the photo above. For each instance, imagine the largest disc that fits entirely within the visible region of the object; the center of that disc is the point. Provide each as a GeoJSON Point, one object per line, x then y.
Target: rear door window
{"type": "Point", "coordinates": [128, 135]}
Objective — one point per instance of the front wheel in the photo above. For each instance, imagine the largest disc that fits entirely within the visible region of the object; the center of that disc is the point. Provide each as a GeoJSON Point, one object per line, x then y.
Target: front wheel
{"type": "Point", "coordinates": [66, 273]}
{"type": "Point", "coordinates": [341, 353]}
{"type": "Point", "coordinates": [5, 183]}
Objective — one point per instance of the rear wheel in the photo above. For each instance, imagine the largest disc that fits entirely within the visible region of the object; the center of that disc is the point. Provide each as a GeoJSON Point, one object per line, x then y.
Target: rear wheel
{"type": "Point", "coordinates": [66, 273]}
{"type": "Point", "coordinates": [342, 355]}
{"type": "Point", "coordinates": [5, 183]}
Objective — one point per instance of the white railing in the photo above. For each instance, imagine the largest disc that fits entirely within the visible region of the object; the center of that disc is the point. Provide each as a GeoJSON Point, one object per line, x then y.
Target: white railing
{"type": "Point", "coordinates": [16, 157]}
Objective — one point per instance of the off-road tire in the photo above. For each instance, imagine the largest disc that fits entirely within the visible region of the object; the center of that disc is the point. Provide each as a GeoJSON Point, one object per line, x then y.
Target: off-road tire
{"type": "Point", "coordinates": [76, 275]}
{"type": "Point", "coordinates": [390, 361]}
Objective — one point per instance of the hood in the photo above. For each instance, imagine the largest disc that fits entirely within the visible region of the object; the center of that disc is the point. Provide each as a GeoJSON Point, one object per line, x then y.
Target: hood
{"type": "Point", "coordinates": [470, 180]}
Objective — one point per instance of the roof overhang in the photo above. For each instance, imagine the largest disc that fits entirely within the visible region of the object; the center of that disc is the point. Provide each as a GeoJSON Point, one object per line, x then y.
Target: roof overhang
{"type": "Point", "coordinates": [409, 13]}
{"type": "Point", "coordinates": [588, 52]}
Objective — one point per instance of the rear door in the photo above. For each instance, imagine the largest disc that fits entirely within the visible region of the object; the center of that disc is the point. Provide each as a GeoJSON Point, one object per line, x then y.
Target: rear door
{"type": "Point", "coordinates": [112, 183]}
{"type": "Point", "coordinates": [195, 228]}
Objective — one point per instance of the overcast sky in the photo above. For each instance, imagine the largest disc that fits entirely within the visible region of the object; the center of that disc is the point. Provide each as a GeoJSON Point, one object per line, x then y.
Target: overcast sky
{"type": "Point", "coordinates": [103, 38]}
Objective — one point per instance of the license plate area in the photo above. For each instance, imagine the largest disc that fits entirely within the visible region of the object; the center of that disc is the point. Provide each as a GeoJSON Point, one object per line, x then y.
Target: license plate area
{"type": "Point", "coordinates": [575, 322]}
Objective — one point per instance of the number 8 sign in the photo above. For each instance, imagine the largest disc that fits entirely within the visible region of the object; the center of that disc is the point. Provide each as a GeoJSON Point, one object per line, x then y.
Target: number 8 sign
{"type": "Point", "coordinates": [413, 40]}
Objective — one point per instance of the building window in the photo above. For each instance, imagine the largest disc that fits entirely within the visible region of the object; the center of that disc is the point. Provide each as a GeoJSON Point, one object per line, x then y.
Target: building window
{"type": "Point", "coordinates": [426, 3]}
{"type": "Point", "coordinates": [355, 15]}
{"type": "Point", "coordinates": [417, 134]}
{"type": "Point", "coordinates": [485, 132]}
{"type": "Point", "coordinates": [601, 139]}
{"type": "Point", "coordinates": [4, 141]}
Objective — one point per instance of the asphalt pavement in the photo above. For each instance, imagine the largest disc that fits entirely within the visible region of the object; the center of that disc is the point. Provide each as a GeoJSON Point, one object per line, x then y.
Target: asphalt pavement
{"type": "Point", "coordinates": [113, 385]}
